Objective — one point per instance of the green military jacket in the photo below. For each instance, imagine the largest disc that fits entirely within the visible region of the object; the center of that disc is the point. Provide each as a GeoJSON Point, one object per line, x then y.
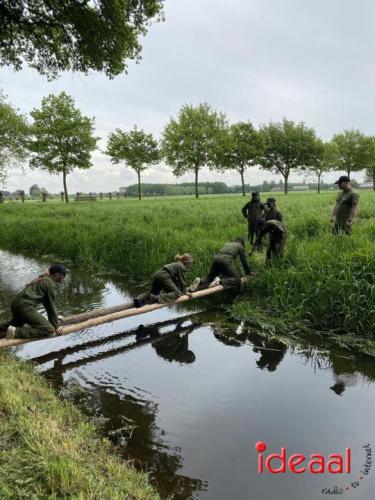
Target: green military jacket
{"type": "Point", "coordinates": [230, 251]}
{"type": "Point", "coordinates": [271, 227]}
{"type": "Point", "coordinates": [252, 210]}
{"type": "Point", "coordinates": [41, 292]}
{"type": "Point", "coordinates": [345, 202]}
{"type": "Point", "coordinates": [176, 270]}
{"type": "Point", "coordinates": [273, 215]}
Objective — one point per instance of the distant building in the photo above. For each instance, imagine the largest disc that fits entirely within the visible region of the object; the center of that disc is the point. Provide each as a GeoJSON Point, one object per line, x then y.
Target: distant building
{"type": "Point", "coordinates": [299, 187]}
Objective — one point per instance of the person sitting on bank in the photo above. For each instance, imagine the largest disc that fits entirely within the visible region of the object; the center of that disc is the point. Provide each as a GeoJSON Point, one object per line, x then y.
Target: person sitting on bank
{"type": "Point", "coordinates": [271, 212]}
{"type": "Point", "coordinates": [168, 283]}
{"type": "Point", "coordinates": [223, 270]}
{"type": "Point", "coordinates": [346, 207]}
{"type": "Point", "coordinates": [277, 237]}
{"type": "Point", "coordinates": [27, 322]}
{"type": "Point", "coordinates": [252, 211]}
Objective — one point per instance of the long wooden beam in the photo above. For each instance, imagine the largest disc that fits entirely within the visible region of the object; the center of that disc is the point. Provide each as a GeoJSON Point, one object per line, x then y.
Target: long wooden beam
{"type": "Point", "coordinates": [118, 315]}
{"type": "Point", "coordinates": [102, 311]}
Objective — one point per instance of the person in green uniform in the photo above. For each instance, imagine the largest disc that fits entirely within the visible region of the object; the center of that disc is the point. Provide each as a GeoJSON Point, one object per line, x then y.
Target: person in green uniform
{"type": "Point", "coordinates": [27, 322]}
{"type": "Point", "coordinates": [277, 237]}
{"type": "Point", "coordinates": [168, 283]}
{"type": "Point", "coordinates": [252, 211]}
{"type": "Point", "coordinates": [223, 270]}
{"type": "Point", "coordinates": [346, 207]}
{"type": "Point", "coordinates": [271, 212]}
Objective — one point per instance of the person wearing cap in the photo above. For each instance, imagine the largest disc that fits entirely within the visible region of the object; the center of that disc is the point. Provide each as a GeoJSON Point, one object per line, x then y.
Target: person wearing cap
{"type": "Point", "coordinates": [346, 207]}
{"type": "Point", "coordinates": [27, 322]}
{"type": "Point", "coordinates": [277, 237]}
{"type": "Point", "coordinates": [168, 283]}
{"type": "Point", "coordinates": [223, 270]}
{"type": "Point", "coordinates": [252, 211]}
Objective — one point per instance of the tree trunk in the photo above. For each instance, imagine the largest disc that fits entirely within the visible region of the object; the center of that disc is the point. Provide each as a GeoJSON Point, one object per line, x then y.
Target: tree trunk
{"type": "Point", "coordinates": [139, 185]}
{"type": "Point", "coordinates": [196, 182]}
{"type": "Point", "coordinates": [242, 182]}
{"type": "Point", "coordinates": [373, 180]}
{"type": "Point", "coordinates": [65, 187]}
{"type": "Point", "coordinates": [319, 183]}
{"type": "Point", "coordinates": [348, 172]}
{"type": "Point", "coordinates": [286, 184]}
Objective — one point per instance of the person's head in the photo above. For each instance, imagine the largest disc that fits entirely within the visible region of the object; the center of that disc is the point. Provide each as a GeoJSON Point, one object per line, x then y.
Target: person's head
{"type": "Point", "coordinates": [343, 182]}
{"type": "Point", "coordinates": [57, 272]}
{"type": "Point", "coordinates": [271, 203]}
{"type": "Point", "coordinates": [240, 240]}
{"type": "Point", "coordinates": [186, 259]}
{"type": "Point", "coordinates": [255, 196]}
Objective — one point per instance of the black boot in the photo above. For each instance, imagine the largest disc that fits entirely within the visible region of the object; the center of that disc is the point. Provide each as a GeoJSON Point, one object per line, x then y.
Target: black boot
{"type": "Point", "coordinates": [142, 300]}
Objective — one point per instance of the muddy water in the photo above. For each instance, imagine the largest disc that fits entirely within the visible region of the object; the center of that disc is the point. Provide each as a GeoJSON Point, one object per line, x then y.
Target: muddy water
{"type": "Point", "coordinates": [186, 395]}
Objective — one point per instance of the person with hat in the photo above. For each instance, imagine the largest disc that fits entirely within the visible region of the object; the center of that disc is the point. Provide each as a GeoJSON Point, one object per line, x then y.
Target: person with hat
{"type": "Point", "coordinates": [168, 283]}
{"type": "Point", "coordinates": [223, 270]}
{"type": "Point", "coordinates": [252, 211]}
{"type": "Point", "coordinates": [27, 322]}
{"type": "Point", "coordinates": [277, 237]}
{"type": "Point", "coordinates": [346, 207]}
{"type": "Point", "coordinates": [271, 213]}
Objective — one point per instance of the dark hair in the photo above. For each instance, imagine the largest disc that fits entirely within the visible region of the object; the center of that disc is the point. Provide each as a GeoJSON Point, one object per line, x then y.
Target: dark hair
{"type": "Point", "coordinates": [240, 240]}
{"type": "Point", "coordinates": [57, 268]}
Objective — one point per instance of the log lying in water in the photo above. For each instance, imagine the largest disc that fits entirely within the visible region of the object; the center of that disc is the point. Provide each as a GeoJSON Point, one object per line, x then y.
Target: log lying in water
{"type": "Point", "coordinates": [102, 311]}
{"type": "Point", "coordinates": [108, 318]}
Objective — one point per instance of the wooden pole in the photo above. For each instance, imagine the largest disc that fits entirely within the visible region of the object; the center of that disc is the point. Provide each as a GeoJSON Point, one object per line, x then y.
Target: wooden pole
{"type": "Point", "coordinates": [118, 315]}
{"type": "Point", "coordinates": [102, 311]}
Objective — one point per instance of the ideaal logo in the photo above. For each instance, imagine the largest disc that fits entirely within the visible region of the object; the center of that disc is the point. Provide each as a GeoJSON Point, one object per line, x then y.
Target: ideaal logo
{"type": "Point", "coordinates": [297, 463]}
{"type": "Point", "coordinates": [315, 463]}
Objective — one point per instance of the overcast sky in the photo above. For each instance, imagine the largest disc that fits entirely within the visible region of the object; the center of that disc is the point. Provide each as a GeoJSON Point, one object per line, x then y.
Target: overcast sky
{"type": "Point", "coordinates": [310, 61]}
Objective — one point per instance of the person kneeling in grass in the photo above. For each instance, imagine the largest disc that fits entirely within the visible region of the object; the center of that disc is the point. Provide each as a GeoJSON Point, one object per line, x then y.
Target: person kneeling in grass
{"type": "Point", "coordinates": [168, 283]}
{"type": "Point", "coordinates": [223, 270]}
{"type": "Point", "coordinates": [27, 322]}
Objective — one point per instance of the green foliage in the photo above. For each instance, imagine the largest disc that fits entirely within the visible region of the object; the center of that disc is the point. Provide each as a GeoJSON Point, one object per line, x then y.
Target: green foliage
{"type": "Point", "coordinates": [54, 36]}
{"type": "Point", "coordinates": [325, 281]}
{"type": "Point", "coordinates": [48, 449]}
{"type": "Point", "coordinates": [135, 148]}
{"type": "Point", "coordinates": [288, 146]}
{"type": "Point", "coordinates": [239, 147]}
{"type": "Point", "coordinates": [352, 152]}
{"type": "Point", "coordinates": [190, 141]}
{"type": "Point", "coordinates": [62, 138]}
{"type": "Point", "coordinates": [13, 137]}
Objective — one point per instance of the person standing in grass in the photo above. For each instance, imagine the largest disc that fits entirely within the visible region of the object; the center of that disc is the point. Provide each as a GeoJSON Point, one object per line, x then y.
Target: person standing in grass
{"type": "Point", "coordinates": [271, 212]}
{"type": "Point", "coordinates": [223, 270]}
{"type": "Point", "coordinates": [26, 321]}
{"type": "Point", "coordinates": [252, 211]}
{"type": "Point", "coordinates": [277, 237]}
{"type": "Point", "coordinates": [168, 283]}
{"type": "Point", "coordinates": [346, 207]}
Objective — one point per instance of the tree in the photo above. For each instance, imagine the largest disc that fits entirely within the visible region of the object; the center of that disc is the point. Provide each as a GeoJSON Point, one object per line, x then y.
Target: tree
{"type": "Point", "coordinates": [13, 137]}
{"type": "Point", "coordinates": [288, 146]}
{"type": "Point", "coordinates": [325, 159]}
{"type": "Point", "coordinates": [351, 151]}
{"type": "Point", "coordinates": [79, 35]}
{"type": "Point", "coordinates": [135, 148]}
{"type": "Point", "coordinates": [190, 142]}
{"type": "Point", "coordinates": [239, 147]}
{"type": "Point", "coordinates": [370, 162]}
{"type": "Point", "coordinates": [62, 138]}
{"type": "Point", "coordinates": [34, 191]}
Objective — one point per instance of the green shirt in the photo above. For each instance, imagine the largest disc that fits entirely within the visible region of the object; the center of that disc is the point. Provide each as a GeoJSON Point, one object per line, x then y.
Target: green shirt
{"type": "Point", "coordinates": [272, 227]}
{"type": "Point", "coordinates": [42, 292]}
{"type": "Point", "coordinates": [345, 202]}
{"type": "Point", "coordinates": [273, 214]}
{"type": "Point", "coordinates": [231, 251]}
{"type": "Point", "coordinates": [176, 270]}
{"type": "Point", "coordinates": [252, 210]}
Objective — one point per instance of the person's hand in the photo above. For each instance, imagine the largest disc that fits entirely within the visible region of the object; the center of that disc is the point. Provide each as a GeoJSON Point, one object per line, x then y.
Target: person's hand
{"type": "Point", "coordinates": [189, 294]}
{"type": "Point", "coordinates": [349, 222]}
{"type": "Point", "coordinates": [61, 319]}
{"type": "Point", "coordinates": [59, 331]}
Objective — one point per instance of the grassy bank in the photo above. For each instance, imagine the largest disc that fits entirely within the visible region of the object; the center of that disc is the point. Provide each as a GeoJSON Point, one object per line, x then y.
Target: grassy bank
{"type": "Point", "coordinates": [49, 450]}
{"type": "Point", "coordinates": [325, 282]}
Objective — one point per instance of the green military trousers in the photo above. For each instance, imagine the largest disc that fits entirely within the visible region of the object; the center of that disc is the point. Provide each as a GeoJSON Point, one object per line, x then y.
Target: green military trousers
{"type": "Point", "coordinates": [163, 287]}
{"type": "Point", "coordinates": [276, 247]}
{"type": "Point", "coordinates": [223, 267]}
{"type": "Point", "coordinates": [340, 227]}
{"type": "Point", "coordinates": [29, 322]}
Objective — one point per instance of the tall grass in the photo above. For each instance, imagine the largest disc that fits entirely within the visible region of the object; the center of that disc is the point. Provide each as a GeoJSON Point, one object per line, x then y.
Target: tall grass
{"type": "Point", "coordinates": [325, 280]}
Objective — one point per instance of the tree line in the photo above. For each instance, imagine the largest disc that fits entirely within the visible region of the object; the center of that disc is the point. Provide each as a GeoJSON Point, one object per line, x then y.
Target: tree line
{"type": "Point", "coordinates": [59, 139]}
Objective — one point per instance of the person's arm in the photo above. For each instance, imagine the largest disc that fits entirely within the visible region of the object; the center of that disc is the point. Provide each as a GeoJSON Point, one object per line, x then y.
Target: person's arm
{"type": "Point", "coordinates": [280, 217]}
{"type": "Point", "coordinates": [354, 210]}
{"type": "Point", "coordinates": [244, 210]}
{"type": "Point", "coordinates": [49, 304]}
{"type": "Point", "coordinates": [333, 216]}
{"type": "Point", "coordinates": [244, 262]}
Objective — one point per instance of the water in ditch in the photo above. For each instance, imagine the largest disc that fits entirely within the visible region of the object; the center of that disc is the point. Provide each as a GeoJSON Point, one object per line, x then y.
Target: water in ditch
{"type": "Point", "coordinates": [186, 394]}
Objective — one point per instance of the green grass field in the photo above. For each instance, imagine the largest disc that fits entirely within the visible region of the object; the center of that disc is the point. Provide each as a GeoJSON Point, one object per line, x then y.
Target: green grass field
{"type": "Point", "coordinates": [325, 281]}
